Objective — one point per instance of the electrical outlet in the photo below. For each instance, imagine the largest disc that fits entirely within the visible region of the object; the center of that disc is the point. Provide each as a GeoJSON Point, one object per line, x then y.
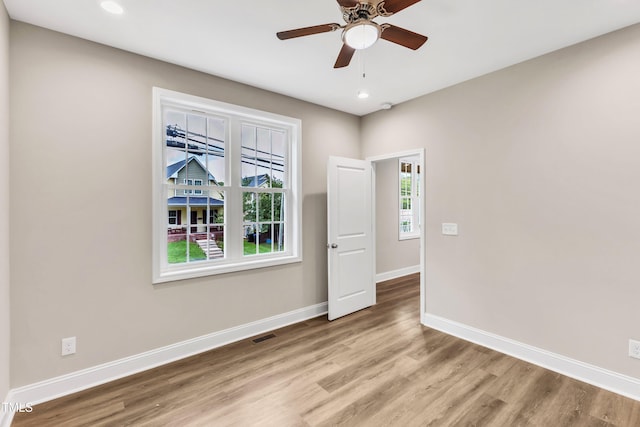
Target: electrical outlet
{"type": "Point", "coordinates": [634, 349]}
{"type": "Point", "coordinates": [68, 346]}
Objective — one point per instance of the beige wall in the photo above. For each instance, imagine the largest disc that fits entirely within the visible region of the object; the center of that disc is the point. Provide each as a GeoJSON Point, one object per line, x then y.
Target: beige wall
{"type": "Point", "coordinates": [5, 331]}
{"type": "Point", "coordinates": [81, 249]}
{"type": "Point", "coordinates": [391, 253]}
{"type": "Point", "coordinates": [539, 166]}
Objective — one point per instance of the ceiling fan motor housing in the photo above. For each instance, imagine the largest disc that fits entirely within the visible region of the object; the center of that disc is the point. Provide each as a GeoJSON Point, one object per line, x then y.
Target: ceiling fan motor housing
{"type": "Point", "coordinates": [361, 11]}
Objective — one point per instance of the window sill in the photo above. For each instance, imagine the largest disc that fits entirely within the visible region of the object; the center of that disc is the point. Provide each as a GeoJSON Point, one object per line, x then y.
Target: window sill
{"type": "Point", "coordinates": [409, 236]}
{"type": "Point", "coordinates": [195, 271]}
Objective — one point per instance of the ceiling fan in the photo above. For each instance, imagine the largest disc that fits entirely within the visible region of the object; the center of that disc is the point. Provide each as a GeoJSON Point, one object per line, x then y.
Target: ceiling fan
{"type": "Point", "coordinates": [360, 30]}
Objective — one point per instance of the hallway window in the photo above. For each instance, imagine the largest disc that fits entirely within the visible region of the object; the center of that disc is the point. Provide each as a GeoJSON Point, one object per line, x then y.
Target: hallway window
{"type": "Point", "coordinates": [409, 197]}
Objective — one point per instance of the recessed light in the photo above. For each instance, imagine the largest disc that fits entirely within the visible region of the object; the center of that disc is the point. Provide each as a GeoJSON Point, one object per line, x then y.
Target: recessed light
{"type": "Point", "coordinates": [112, 7]}
{"type": "Point", "coordinates": [363, 94]}
{"type": "Point", "coordinates": [386, 106]}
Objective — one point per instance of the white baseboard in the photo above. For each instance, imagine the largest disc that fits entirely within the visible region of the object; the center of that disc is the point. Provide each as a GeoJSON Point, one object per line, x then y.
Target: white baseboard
{"type": "Point", "coordinates": [394, 274]}
{"type": "Point", "coordinates": [81, 380]}
{"type": "Point", "coordinates": [603, 378]}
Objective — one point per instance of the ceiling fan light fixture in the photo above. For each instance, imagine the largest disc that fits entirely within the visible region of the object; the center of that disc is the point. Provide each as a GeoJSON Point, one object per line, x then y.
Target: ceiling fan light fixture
{"type": "Point", "coordinates": [361, 34]}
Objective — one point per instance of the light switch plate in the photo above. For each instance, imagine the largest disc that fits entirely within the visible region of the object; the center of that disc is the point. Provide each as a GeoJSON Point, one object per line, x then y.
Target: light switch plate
{"type": "Point", "coordinates": [449, 229]}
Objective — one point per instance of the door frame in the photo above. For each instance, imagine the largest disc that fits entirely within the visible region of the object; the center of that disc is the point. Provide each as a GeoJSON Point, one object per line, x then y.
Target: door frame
{"type": "Point", "coordinates": [420, 152]}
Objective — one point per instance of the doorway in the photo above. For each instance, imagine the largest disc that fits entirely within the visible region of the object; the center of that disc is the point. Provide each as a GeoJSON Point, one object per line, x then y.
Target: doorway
{"type": "Point", "coordinates": [352, 220]}
{"type": "Point", "coordinates": [388, 210]}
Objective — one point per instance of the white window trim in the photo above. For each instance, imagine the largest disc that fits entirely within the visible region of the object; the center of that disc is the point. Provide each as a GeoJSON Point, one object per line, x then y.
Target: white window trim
{"type": "Point", "coordinates": [415, 199]}
{"type": "Point", "coordinates": [164, 272]}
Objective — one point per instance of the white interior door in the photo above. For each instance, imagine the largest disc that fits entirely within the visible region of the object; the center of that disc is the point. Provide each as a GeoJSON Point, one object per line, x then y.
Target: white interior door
{"type": "Point", "coordinates": [350, 236]}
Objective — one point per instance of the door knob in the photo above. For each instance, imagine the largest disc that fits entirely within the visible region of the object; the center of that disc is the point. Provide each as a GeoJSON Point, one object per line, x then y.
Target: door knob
{"type": "Point", "coordinates": [333, 246]}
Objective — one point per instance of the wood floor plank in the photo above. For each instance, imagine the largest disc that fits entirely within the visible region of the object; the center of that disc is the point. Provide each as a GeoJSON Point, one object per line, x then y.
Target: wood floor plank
{"type": "Point", "coordinates": [342, 404]}
{"type": "Point", "coordinates": [482, 411]}
{"type": "Point", "coordinates": [568, 407]}
{"type": "Point", "coordinates": [615, 409]}
{"type": "Point", "coordinates": [376, 367]}
{"type": "Point", "coordinates": [433, 378]}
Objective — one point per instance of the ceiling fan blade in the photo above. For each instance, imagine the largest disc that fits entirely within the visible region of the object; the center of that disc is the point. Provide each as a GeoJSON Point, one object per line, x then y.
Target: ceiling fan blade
{"type": "Point", "coordinates": [344, 57]}
{"type": "Point", "coordinates": [395, 6]}
{"type": "Point", "coordinates": [307, 31]}
{"type": "Point", "coordinates": [402, 37]}
{"type": "Point", "coordinates": [348, 3]}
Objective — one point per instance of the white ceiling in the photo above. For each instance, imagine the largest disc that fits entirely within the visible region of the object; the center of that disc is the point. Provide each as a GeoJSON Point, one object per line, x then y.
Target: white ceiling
{"type": "Point", "coordinates": [236, 40]}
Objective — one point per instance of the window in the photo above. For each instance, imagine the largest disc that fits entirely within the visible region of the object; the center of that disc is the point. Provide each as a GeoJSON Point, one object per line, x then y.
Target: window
{"type": "Point", "coordinates": [227, 181]}
{"type": "Point", "coordinates": [192, 182]}
{"type": "Point", "coordinates": [173, 217]}
{"type": "Point", "coordinates": [409, 191]}
{"type": "Point", "coordinates": [263, 189]}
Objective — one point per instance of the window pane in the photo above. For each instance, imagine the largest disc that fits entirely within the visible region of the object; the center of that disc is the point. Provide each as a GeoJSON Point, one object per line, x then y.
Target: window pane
{"type": "Point", "coordinates": [176, 249]}
{"type": "Point", "coordinates": [215, 152]}
{"type": "Point", "coordinates": [263, 139]}
{"type": "Point", "coordinates": [264, 238]}
{"type": "Point", "coordinates": [212, 243]}
{"type": "Point", "coordinates": [278, 237]}
{"type": "Point", "coordinates": [263, 157]}
{"type": "Point", "coordinates": [250, 240]}
{"type": "Point", "coordinates": [264, 175]}
{"type": "Point", "coordinates": [265, 207]}
{"type": "Point", "coordinates": [196, 135]}
{"type": "Point", "coordinates": [278, 157]}
{"type": "Point", "coordinates": [405, 185]}
{"type": "Point", "coordinates": [175, 143]}
{"type": "Point", "coordinates": [176, 236]}
{"type": "Point", "coordinates": [174, 126]}
{"type": "Point", "coordinates": [213, 215]}
{"type": "Point", "coordinates": [249, 204]}
{"type": "Point", "coordinates": [249, 173]}
{"type": "Point", "coordinates": [278, 207]}
{"type": "Point", "coordinates": [406, 203]}
{"type": "Point", "coordinates": [196, 209]}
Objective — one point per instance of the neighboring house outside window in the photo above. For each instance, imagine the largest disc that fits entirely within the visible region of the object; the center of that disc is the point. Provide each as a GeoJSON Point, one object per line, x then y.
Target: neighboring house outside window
{"type": "Point", "coordinates": [409, 198]}
{"type": "Point", "coordinates": [185, 171]}
{"type": "Point", "coordinates": [227, 192]}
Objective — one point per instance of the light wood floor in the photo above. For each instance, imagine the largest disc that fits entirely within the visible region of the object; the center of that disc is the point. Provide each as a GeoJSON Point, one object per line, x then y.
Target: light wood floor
{"type": "Point", "coordinates": [377, 367]}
